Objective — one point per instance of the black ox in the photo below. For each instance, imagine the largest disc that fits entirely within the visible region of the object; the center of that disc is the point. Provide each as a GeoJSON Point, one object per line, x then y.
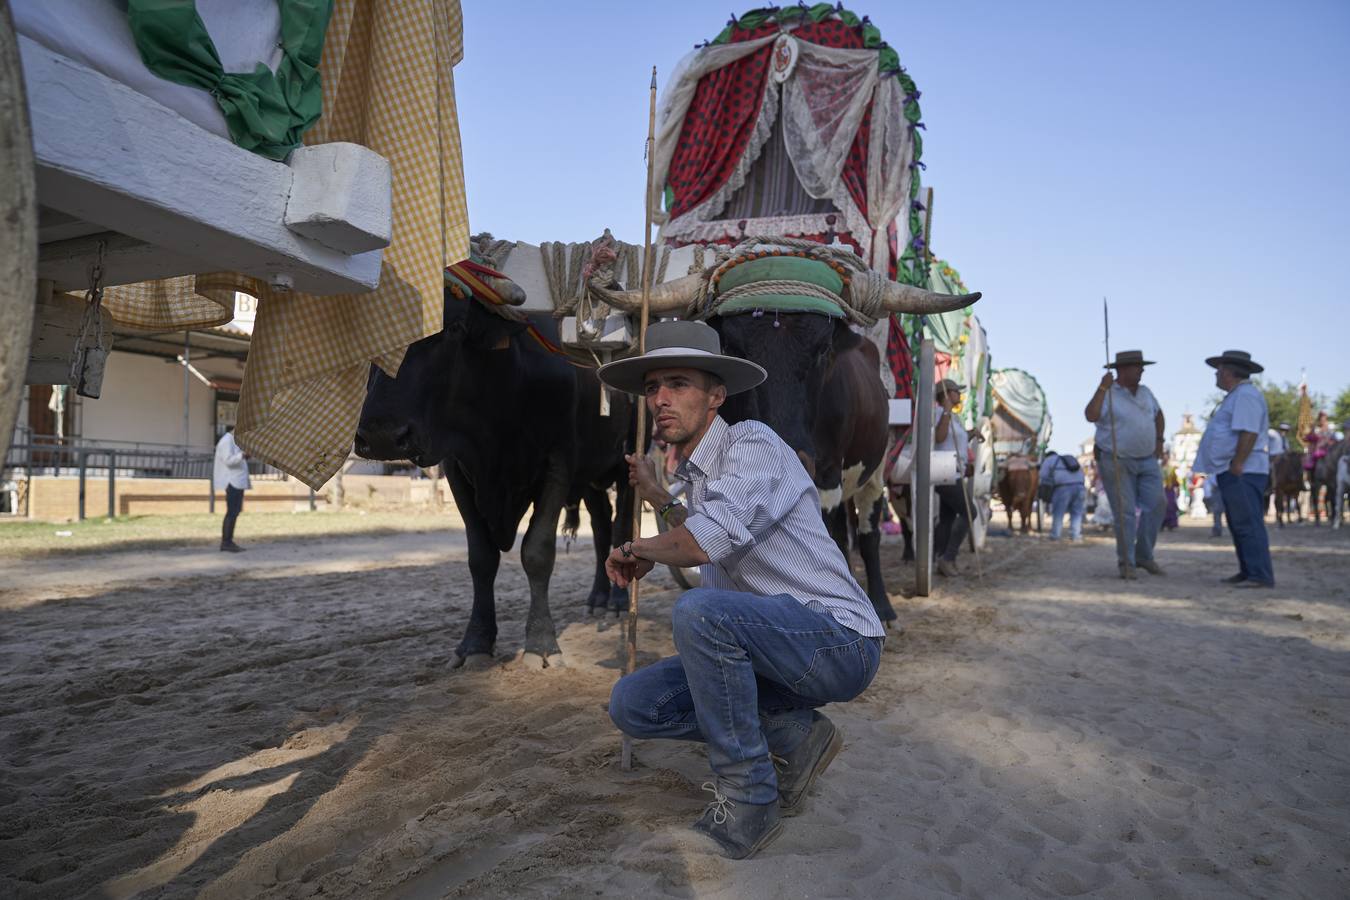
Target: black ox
{"type": "Point", "coordinates": [823, 397]}
{"type": "Point", "coordinates": [513, 425]}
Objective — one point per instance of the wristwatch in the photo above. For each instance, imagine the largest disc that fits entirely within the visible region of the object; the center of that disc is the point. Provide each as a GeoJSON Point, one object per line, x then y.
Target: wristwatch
{"type": "Point", "coordinates": [670, 504]}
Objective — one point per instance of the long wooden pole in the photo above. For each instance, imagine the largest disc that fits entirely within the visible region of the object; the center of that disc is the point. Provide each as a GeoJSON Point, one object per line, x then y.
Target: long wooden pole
{"type": "Point", "coordinates": [639, 448]}
{"type": "Point", "coordinates": [1116, 512]}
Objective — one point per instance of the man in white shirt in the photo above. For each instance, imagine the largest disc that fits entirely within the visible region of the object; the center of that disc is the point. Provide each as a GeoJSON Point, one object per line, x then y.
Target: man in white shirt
{"type": "Point", "coordinates": [1278, 440]}
{"type": "Point", "coordinates": [1127, 412]}
{"type": "Point", "coordinates": [231, 476]}
{"type": "Point", "coordinates": [953, 511]}
{"type": "Point", "coordinates": [1233, 449]}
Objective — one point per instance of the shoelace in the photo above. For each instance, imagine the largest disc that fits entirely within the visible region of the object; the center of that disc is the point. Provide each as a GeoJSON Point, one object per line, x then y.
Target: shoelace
{"type": "Point", "coordinates": [720, 805]}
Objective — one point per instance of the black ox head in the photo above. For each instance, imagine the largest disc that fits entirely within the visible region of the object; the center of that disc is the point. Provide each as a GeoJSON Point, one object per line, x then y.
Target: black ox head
{"type": "Point", "coordinates": [797, 349]}
{"type": "Point", "coordinates": [410, 416]}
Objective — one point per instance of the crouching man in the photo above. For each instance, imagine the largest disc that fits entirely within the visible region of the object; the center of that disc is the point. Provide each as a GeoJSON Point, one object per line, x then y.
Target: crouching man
{"type": "Point", "coordinates": [779, 628]}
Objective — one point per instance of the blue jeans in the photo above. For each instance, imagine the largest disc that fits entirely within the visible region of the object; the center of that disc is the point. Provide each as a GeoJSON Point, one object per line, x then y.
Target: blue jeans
{"type": "Point", "coordinates": [749, 671]}
{"type": "Point", "coordinates": [1245, 504]}
{"type": "Point", "coordinates": [1140, 487]}
{"type": "Point", "coordinates": [1070, 498]}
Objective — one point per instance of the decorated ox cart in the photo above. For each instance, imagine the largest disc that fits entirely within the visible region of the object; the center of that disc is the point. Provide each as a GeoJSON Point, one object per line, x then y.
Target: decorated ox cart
{"type": "Point", "coordinates": [786, 171]}
{"type": "Point", "coordinates": [1020, 426]}
{"type": "Point", "coordinates": [182, 152]}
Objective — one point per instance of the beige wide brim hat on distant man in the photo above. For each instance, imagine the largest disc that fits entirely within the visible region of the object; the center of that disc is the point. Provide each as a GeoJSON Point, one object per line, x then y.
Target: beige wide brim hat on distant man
{"type": "Point", "coordinates": [682, 345]}
{"type": "Point", "coordinates": [1240, 358]}
{"type": "Point", "coordinates": [1129, 358]}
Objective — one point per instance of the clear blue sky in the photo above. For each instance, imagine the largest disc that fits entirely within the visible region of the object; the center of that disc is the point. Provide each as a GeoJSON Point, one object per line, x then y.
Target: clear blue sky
{"type": "Point", "coordinates": [1189, 161]}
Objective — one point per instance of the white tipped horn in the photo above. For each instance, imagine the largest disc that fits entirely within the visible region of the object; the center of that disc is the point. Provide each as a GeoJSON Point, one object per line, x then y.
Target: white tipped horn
{"type": "Point", "coordinates": [670, 297]}
{"type": "Point", "coordinates": [505, 288]}
{"type": "Point", "coordinates": [904, 298]}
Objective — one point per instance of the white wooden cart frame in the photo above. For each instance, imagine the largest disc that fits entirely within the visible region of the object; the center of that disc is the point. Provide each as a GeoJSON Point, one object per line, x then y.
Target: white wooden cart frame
{"type": "Point", "coordinates": [90, 164]}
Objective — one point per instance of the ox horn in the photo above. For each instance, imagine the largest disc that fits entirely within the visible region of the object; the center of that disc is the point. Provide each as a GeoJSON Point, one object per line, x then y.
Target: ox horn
{"type": "Point", "coordinates": [904, 298]}
{"type": "Point", "coordinates": [505, 288]}
{"type": "Point", "coordinates": [669, 297]}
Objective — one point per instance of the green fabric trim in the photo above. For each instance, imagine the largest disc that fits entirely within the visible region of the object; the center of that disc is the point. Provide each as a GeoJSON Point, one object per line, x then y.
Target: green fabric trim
{"type": "Point", "coordinates": [266, 113]}
{"type": "Point", "coordinates": [780, 303]}
{"type": "Point", "coordinates": [782, 268]}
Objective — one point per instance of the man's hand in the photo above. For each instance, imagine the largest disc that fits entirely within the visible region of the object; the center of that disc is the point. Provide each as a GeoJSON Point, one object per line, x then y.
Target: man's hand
{"type": "Point", "coordinates": [1161, 451]}
{"type": "Point", "coordinates": [642, 475]}
{"type": "Point", "coordinates": [1235, 469]}
{"type": "Point", "coordinates": [1107, 380]}
{"type": "Point", "coordinates": [622, 570]}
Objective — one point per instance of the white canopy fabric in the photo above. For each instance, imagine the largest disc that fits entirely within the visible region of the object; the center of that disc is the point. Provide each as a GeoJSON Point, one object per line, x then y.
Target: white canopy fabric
{"type": "Point", "coordinates": [96, 33]}
{"type": "Point", "coordinates": [824, 99]}
{"type": "Point", "coordinates": [1021, 396]}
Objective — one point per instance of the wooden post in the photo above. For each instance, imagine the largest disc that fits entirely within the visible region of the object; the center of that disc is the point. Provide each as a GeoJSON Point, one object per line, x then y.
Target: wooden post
{"type": "Point", "coordinates": [18, 231]}
{"type": "Point", "coordinates": [112, 484]}
{"type": "Point", "coordinates": [922, 485]}
{"type": "Point", "coordinates": [648, 271]}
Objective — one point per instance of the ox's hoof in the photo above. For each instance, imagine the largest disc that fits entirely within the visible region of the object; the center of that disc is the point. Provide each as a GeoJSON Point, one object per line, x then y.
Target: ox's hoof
{"type": "Point", "coordinates": [474, 662]}
{"type": "Point", "coordinates": [537, 663]}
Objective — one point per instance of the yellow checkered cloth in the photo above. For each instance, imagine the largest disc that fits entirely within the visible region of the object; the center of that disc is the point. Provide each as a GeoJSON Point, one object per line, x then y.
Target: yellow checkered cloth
{"type": "Point", "coordinates": [388, 83]}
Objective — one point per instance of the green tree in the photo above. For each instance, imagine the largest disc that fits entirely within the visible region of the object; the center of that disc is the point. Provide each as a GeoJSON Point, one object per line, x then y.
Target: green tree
{"type": "Point", "coordinates": [1282, 401]}
{"type": "Point", "coordinates": [1340, 411]}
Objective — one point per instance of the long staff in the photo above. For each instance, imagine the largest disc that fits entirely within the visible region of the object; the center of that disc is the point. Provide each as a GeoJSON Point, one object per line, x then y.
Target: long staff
{"type": "Point", "coordinates": [1116, 512]}
{"type": "Point", "coordinates": [638, 445]}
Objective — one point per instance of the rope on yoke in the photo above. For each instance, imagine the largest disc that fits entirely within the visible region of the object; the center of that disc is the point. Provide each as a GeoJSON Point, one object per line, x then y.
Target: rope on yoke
{"type": "Point", "coordinates": [864, 289]}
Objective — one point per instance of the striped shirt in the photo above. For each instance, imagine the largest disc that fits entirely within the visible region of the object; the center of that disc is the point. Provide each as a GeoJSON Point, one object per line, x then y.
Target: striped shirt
{"type": "Point", "coordinates": [755, 512]}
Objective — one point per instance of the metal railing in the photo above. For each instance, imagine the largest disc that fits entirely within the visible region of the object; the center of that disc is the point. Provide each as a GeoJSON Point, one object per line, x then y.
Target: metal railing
{"type": "Point", "coordinates": [49, 455]}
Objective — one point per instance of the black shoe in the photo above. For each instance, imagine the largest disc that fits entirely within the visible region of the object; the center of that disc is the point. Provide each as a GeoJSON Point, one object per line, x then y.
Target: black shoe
{"type": "Point", "coordinates": [740, 829]}
{"type": "Point", "coordinates": [231, 547]}
{"type": "Point", "coordinates": [1253, 583]}
{"type": "Point", "coordinates": [1234, 579]}
{"type": "Point", "coordinates": [798, 770]}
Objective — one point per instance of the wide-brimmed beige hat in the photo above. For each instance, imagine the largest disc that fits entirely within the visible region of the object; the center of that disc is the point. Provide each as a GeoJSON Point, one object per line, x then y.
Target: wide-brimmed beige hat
{"type": "Point", "coordinates": [1240, 358]}
{"type": "Point", "coordinates": [682, 345]}
{"type": "Point", "coordinates": [1129, 358]}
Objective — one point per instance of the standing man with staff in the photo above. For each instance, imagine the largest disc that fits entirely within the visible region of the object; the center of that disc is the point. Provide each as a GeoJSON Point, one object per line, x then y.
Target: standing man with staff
{"type": "Point", "coordinates": [1129, 450]}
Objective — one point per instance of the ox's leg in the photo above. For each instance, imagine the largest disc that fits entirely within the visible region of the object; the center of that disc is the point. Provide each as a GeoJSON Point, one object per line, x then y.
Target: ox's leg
{"type": "Point", "coordinates": [480, 637]}
{"type": "Point", "coordinates": [602, 526]}
{"type": "Point", "coordinates": [900, 503]}
{"type": "Point", "coordinates": [537, 553]}
{"type": "Point", "coordinates": [869, 548]}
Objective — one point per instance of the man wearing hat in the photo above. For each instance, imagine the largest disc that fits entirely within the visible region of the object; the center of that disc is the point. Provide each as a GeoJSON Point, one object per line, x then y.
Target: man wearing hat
{"type": "Point", "coordinates": [1127, 413]}
{"type": "Point", "coordinates": [779, 628]}
{"type": "Point", "coordinates": [1278, 440]}
{"type": "Point", "coordinates": [1233, 449]}
{"type": "Point", "coordinates": [953, 509]}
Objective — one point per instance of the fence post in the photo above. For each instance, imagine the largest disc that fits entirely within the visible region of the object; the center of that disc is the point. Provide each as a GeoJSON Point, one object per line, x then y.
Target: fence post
{"type": "Point", "coordinates": [211, 493]}
{"type": "Point", "coordinates": [312, 505]}
{"type": "Point", "coordinates": [84, 461]}
{"type": "Point", "coordinates": [112, 484]}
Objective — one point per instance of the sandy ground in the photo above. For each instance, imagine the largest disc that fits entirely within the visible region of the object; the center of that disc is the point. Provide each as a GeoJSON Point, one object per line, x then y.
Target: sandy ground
{"type": "Point", "coordinates": [283, 724]}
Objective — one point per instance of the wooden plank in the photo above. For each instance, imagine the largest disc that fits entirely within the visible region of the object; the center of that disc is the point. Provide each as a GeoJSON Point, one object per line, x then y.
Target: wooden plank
{"type": "Point", "coordinates": [126, 260]}
{"type": "Point", "coordinates": [111, 156]}
{"type": "Point", "coordinates": [56, 327]}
